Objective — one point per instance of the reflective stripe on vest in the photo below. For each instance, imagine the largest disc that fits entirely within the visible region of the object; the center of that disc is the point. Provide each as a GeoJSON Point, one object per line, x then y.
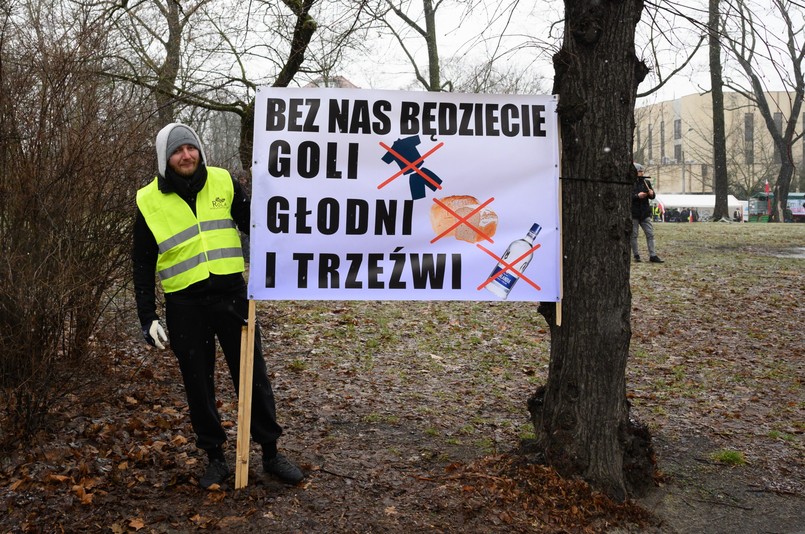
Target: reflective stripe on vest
{"type": "Point", "coordinates": [193, 246]}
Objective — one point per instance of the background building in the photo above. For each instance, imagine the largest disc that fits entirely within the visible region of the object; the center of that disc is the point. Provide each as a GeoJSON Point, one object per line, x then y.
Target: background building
{"type": "Point", "coordinates": [673, 139]}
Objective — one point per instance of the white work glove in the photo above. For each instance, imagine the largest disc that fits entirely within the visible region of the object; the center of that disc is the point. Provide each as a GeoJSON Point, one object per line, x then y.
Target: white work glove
{"type": "Point", "coordinates": [154, 333]}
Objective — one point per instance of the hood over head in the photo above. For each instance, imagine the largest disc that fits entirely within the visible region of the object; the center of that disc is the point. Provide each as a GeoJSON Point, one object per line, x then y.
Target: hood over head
{"type": "Point", "coordinates": [172, 137]}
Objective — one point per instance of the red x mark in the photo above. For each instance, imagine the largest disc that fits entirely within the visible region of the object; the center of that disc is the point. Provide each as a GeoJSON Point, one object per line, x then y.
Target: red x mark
{"type": "Point", "coordinates": [509, 267]}
{"type": "Point", "coordinates": [462, 220]}
{"type": "Point", "coordinates": [410, 165]}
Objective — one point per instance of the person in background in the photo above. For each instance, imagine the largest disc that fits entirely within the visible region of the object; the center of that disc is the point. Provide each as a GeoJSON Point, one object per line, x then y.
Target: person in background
{"type": "Point", "coordinates": [642, 192]}
{"type": "Point", "coordinates": [186, 231]}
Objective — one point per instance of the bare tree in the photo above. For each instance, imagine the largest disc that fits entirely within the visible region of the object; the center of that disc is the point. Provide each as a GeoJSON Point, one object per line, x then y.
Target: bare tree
{"type": "Point", "coordinates": [752, 44]}
{"type": "Point", "coordinates": [163, 68]}
{"type": "Point", "coordinates": [422, 23]}
{"type": "Point", "coordinates": [671, 37]}
{"type": "Point", "coordinates": [212, 53]}
{"type": "Point", "coordinates": [74, 143]}
{"type": "Point", "coordinates": [425, 28]}
{"type": "Point", "coordinates": [720, 178]}
{"type": "Point", "coordinates": [342, 34]}
{"type": "Point", "coordinates": [416, 25]}
{"type": "Point", "coordinates": [581, 416]}
{"type": "Point", "coordinates": [488, 77]}
{"type": "Point", "coordinates": [745, 174]}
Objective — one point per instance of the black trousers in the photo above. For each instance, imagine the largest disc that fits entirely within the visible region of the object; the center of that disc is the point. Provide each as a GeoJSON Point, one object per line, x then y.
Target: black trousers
{"type": "Point", "coordinates": [192, 330]}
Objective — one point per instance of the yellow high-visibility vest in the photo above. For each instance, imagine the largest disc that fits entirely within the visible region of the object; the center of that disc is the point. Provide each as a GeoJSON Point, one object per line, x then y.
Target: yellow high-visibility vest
{"type": "Point", "coordinates": [193, 246]}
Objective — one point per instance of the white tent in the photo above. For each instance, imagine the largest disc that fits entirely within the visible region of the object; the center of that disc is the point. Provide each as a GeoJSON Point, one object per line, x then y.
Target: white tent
{"type": "Point", "coordinates": [703, 204]}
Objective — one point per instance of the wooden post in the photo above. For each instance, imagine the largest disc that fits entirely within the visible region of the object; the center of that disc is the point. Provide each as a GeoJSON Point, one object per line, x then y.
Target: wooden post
{"type": "Point", "coordinates": [561, 242]}
{"type": "Point", "coordinates": [245, 400]}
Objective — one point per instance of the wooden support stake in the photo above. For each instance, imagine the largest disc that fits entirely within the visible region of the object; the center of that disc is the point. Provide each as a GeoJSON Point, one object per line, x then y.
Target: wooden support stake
{"type": "Point", "coordinates": [245, 400]}
{"type": "Point", "coordinates": [561, 241]}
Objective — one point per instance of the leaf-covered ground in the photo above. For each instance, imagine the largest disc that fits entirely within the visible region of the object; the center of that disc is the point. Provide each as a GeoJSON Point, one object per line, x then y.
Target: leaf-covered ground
{"type": "Point", "coordinates": [407, 416]}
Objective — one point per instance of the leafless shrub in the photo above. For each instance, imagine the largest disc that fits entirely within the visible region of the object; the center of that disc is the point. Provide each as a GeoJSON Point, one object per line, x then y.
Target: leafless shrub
{"type": "Point", "coordinates": [71, 158]}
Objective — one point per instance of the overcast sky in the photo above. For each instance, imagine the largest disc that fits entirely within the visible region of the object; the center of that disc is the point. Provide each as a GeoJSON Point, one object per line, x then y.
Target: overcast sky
{"type": "Point", "coordinates": [532, 39]}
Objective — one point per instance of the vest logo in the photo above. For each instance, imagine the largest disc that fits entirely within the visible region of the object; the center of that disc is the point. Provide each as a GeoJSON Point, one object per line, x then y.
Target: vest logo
{"type": "Point", "coordinates": [219, 203]}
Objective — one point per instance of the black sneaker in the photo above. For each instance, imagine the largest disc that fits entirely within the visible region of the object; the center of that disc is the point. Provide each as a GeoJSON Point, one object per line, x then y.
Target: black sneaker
{"type": "Point", "coordinates": [655, 259]}
{"type": "Point", "coordinates": [217, 471]}
{"type": "Point", "coordinates": [637, 258]}
{"type": "Point", "coordinates": [282, 468]}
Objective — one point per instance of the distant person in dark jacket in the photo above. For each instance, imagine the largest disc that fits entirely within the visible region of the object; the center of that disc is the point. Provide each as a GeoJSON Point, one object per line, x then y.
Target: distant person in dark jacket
{"type": "Point", "coordinates": [642, 192]}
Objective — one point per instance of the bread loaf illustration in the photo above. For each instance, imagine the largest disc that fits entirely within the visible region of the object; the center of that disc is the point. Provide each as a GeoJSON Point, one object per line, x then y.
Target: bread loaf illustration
{"type": "Point", "coordinates": [484, 219]}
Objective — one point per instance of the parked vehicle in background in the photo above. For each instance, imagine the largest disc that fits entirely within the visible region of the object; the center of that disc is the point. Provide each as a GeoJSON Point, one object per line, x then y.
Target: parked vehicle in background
{"type": "Point", "coordinates": [794, 210]}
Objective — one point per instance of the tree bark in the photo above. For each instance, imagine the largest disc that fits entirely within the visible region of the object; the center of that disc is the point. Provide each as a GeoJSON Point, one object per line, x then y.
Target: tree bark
{"type": "Point", "coordinates": [434, 69]}
{"type": "Point", "coordinates": [303, 32]}
{"type": "Point", "coordinates": [168, 71]}
{"type": "Point", "coordinates": [581, 416]}
{"type": "Point", "coordinates": [720, 178]}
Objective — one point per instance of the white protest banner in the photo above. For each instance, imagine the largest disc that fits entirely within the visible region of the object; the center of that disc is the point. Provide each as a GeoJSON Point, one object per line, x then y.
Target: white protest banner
{"type": "Point", "coordinates": [392, 195]}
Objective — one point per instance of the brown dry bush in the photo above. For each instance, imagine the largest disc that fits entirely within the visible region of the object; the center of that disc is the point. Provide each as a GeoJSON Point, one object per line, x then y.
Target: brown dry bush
{"type": "Point", "coordinates": [70, 157]}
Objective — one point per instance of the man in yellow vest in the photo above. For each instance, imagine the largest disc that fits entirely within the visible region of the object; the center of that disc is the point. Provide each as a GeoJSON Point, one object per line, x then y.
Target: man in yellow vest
{"type": "Point", "coordinates": [186, 231]}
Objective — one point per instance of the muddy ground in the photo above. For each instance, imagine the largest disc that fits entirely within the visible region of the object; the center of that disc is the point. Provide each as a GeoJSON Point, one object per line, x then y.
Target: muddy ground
{"type": "Point", "coordinates": [408, 417]}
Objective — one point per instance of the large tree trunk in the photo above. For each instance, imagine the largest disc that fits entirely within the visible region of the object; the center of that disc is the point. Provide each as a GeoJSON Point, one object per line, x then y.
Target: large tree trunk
{"type": "Point", "coordinates": [581, 416]}
{"type": "Point", "coordinates": [720, 178]}
{"type": "Point", "coordinates": [782, 188]}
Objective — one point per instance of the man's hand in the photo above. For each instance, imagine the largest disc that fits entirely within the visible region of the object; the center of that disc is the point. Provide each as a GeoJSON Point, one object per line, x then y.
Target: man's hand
{"type": "Point", "coordinates": [154, 333]}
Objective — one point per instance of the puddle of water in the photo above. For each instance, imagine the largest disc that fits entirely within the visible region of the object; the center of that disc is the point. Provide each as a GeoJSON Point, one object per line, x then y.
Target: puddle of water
{"type": "Point", "coordinates": [795, 253]}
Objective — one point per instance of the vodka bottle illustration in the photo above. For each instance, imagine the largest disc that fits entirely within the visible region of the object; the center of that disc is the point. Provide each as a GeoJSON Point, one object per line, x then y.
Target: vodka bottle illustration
{"type": "Point", "coordinates": [503, 283]}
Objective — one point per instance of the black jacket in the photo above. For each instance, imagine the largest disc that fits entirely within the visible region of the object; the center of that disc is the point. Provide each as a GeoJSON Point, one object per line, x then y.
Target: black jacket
{"type": "Point", "coordinates": [640, 206]}
{"type": "Point", "coordinates": [144, 257]}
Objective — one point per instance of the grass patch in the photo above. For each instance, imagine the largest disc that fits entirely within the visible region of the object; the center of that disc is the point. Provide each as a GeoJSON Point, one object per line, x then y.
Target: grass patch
{"type": "Point", "coordinates": [729, 457]}
{"type": "Point", "coordinates": [297, 365]}
{"type": "Point", "coordinates": [377, 418]}
{"type": "Point", "coordinates": [784, 436]}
